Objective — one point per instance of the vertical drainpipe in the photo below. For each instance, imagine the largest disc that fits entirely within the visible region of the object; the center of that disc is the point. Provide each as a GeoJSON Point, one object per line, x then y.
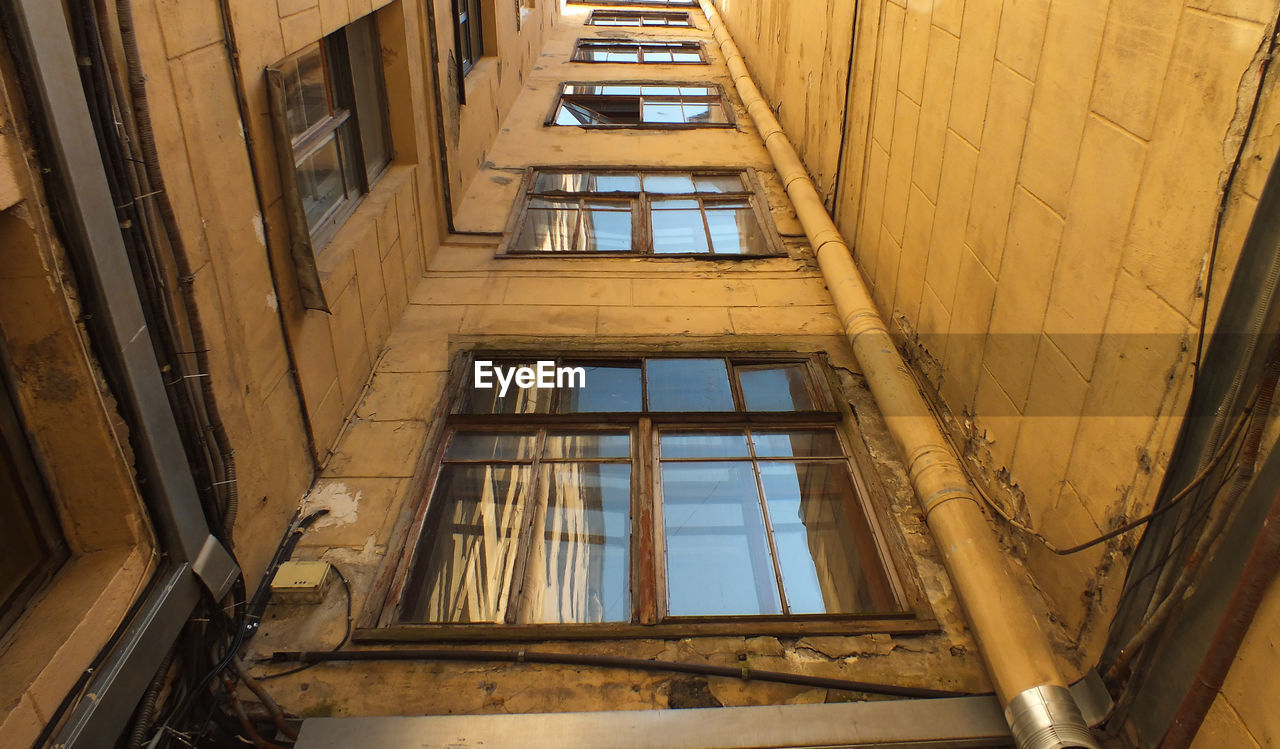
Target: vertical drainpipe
{"type": "Point", "coordinates": [1041, 712]}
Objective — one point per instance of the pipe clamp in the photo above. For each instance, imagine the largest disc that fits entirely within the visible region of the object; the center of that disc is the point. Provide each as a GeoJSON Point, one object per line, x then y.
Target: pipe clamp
{"type": "Point", "coordinates": [1046, 717]}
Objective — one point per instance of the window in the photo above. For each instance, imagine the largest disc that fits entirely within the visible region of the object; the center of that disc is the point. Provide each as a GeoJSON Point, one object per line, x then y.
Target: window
{"type": "Point", "coordinates": [621, 50]}
{"type": "Point", "coordinates": [661, 489]}
{"type": "Point", "coordinates": [330, 114]}
{"type": "Point", "coordinates": [627, 104]}
{"type": "Point", "coordinates": [638, 18]}
{"type": "Point", "coordinates": [31, 544]}
{"type": "Point", "coordinates": [469, 33]}
{"type": "Point", "coordinates": [654, 212]}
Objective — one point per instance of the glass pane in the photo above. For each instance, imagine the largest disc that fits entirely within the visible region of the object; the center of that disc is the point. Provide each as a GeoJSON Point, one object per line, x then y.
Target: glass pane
{"type": "Point", "coordinates": [669, 204]}
{"type": "Point", "coordinates": [699, 91]}
{"type": "Point", "coordinates": [688, 385]}
{"type": "Point", "coordinates": [578, 568]}
{"type": "Point", "coordinates": [365, 53]}
{"type": "Point", "coordinates": [547, 230]}
{"type": "Point", "coordinates": [560, 182]}
{"type": "Point", "coordinates": [677, 231]}
{"type": "Point", "coordinates": [619, 53]}
{"type": "Point", "coordinates": [656, 55]}
{"type": "Point", "coordinates": [797, 443]}
{"type": "Point", "coordinates": [473, 533]}
{"type": "Point", "coordinates": [686, 57]}
{"type": "Point", "coordinates": [825, 549]}
{"type": "Point", "coordinates": [702, 113]}
{"type": "Point", "coordinates": [582, 88]}
{"type": "Point", "coordinates": [615, 182]}
{"type": "Point", "coordinates": [663, 113]}
{"type": "Point", "coordinates": [606, 227]}
{"type": "Point", "coordinates": [718, 183]}
{"type": "Point", "coordinates": [571, 113]}
{"type": "Point", "coordinates": [490, 446]}
{"type": "Point", "coordinates": [703, 445]}
{"type": "Point", "coordinates": [668, 183]}
{"type": "Point", "coordinates": [22, 552]}
{"type": "Point", "coordinates": [492, 399]}
{"type": "Point", "coordinates": [779, 388]}
{"type": "Point", "coordinates": [718, 561]}
{"type": "Point", "coordinates": [734, 230]}
{"type": "Point", "coordinates": [620, 90]}
{"type": "Point", "coordinates": [667, 91]}
{"type": "Point", "coordinates": [306, 91]}
{"type": "Point", "coordinates": [571, 445]}
{"type": "Point", "coordinates": [609, 388]}
{"type": "Point", "coordinates": [320, 182]}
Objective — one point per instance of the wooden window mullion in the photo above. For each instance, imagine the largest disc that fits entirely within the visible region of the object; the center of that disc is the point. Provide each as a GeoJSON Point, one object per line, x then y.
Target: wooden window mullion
{"type": "Point", "coordinates": [532, 503]}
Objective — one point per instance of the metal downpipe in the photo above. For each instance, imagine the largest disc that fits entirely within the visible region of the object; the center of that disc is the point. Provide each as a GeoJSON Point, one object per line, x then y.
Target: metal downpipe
{"type": "Point", "coordinates": [1040, 710]}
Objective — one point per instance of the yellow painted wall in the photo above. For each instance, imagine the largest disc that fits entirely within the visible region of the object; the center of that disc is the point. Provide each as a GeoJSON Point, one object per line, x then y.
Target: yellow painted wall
{"type": "Point", "coordinates": [1031, 191]}
{"type": "Point", "coordinates": [285, 374]}
{"type": "Point", "coordinates": [489, 89]}
{"type": "Point", "coordinates": [470, 297]}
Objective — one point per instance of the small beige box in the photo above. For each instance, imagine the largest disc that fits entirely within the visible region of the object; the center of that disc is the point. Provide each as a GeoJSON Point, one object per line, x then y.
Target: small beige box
{"type": "Point", "coordinates": [301, 582]}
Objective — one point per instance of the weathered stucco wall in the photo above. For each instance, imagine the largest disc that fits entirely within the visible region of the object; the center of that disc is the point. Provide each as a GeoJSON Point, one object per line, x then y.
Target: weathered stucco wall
{"type": "Point", "coordinates": [513, 39]}
{"type": "Point", "coordinates": [286, 377]}
{"type": "Point", "coordinates": [1031, 191]}
{"type": "Point", "coordinates": [471, 298]}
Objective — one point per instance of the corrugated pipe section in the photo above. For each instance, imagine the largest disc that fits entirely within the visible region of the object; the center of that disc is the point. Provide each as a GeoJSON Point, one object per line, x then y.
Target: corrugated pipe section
{"type": "Point", "coordinates": [1041, 711]}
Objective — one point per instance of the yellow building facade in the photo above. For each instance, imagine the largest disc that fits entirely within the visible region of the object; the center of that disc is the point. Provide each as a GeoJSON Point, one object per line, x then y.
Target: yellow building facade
{"type": "Point", "coordinates": [258, 254]}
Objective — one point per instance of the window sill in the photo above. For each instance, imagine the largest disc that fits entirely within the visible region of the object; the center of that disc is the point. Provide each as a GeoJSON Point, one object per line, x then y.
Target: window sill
{"type": "Point", "coordinates": [484, 68]}
{"type": "Point", "coordinates": [335, 262]}
{"type": "Point", "coordinates": [904, 624]}
{"type": "Point", "coordinates": [62, 633]}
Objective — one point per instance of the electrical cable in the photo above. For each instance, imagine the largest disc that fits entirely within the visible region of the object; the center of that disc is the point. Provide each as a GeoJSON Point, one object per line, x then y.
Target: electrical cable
{"type": "Point", "coordinates": [614, 661]}
{"type": "Point", "coordinates": [346, 637]}
{"type": "Point", "coordinates": [1122, 529]}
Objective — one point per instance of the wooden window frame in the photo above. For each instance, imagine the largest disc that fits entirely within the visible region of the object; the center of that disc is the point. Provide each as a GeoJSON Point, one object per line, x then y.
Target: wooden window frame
{"type": "Point", "coordinates": [730, 116]}
{"type": "Point", "coordinates": [468, 33]}
{"type": "Point", "coordinates": [640, 224]}
{"type": "Point", "coordinates": [640, 15]}
{"type": "Point", "coordinates": [683, 44]}
{"type": "Point", "coordinates": [379, 621]}
{"type": "Point", "coordinates": [342, 126]}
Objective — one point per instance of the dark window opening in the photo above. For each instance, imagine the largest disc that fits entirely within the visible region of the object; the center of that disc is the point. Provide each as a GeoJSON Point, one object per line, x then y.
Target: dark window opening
{"type": "Point", "coordinates": [31, 543]}
{"type": "Point", "coordinates": [470, 33]}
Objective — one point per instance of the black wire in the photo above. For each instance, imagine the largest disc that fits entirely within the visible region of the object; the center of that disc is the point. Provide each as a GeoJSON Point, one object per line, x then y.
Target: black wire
{"type": "Point", "coordinates": [345, 637]}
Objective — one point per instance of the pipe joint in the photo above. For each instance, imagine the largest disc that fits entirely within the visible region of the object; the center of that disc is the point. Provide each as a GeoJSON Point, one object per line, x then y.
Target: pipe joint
{"type": "Point", "coordinates": [1046, 717]}
{"type": "Point", "coordinates": [862, 321]}
{"type": "Point", "coordinates": [942, 496]}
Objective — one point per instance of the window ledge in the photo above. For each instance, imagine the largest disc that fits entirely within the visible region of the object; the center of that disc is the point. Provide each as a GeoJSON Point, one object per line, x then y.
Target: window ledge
{"type": "Point", "coordinates": [484, 68]}
{"type": "Point", "coordinates": [906, 624]}
{"type": "Point", "coordinates": [335, 262]}
{"type": "Point", "coordinates": [62, 633]}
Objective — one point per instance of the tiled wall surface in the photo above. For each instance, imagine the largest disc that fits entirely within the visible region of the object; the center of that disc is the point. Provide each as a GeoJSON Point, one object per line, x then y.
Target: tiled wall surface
{"type": "Point", "coordinates": [1032, 196]}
